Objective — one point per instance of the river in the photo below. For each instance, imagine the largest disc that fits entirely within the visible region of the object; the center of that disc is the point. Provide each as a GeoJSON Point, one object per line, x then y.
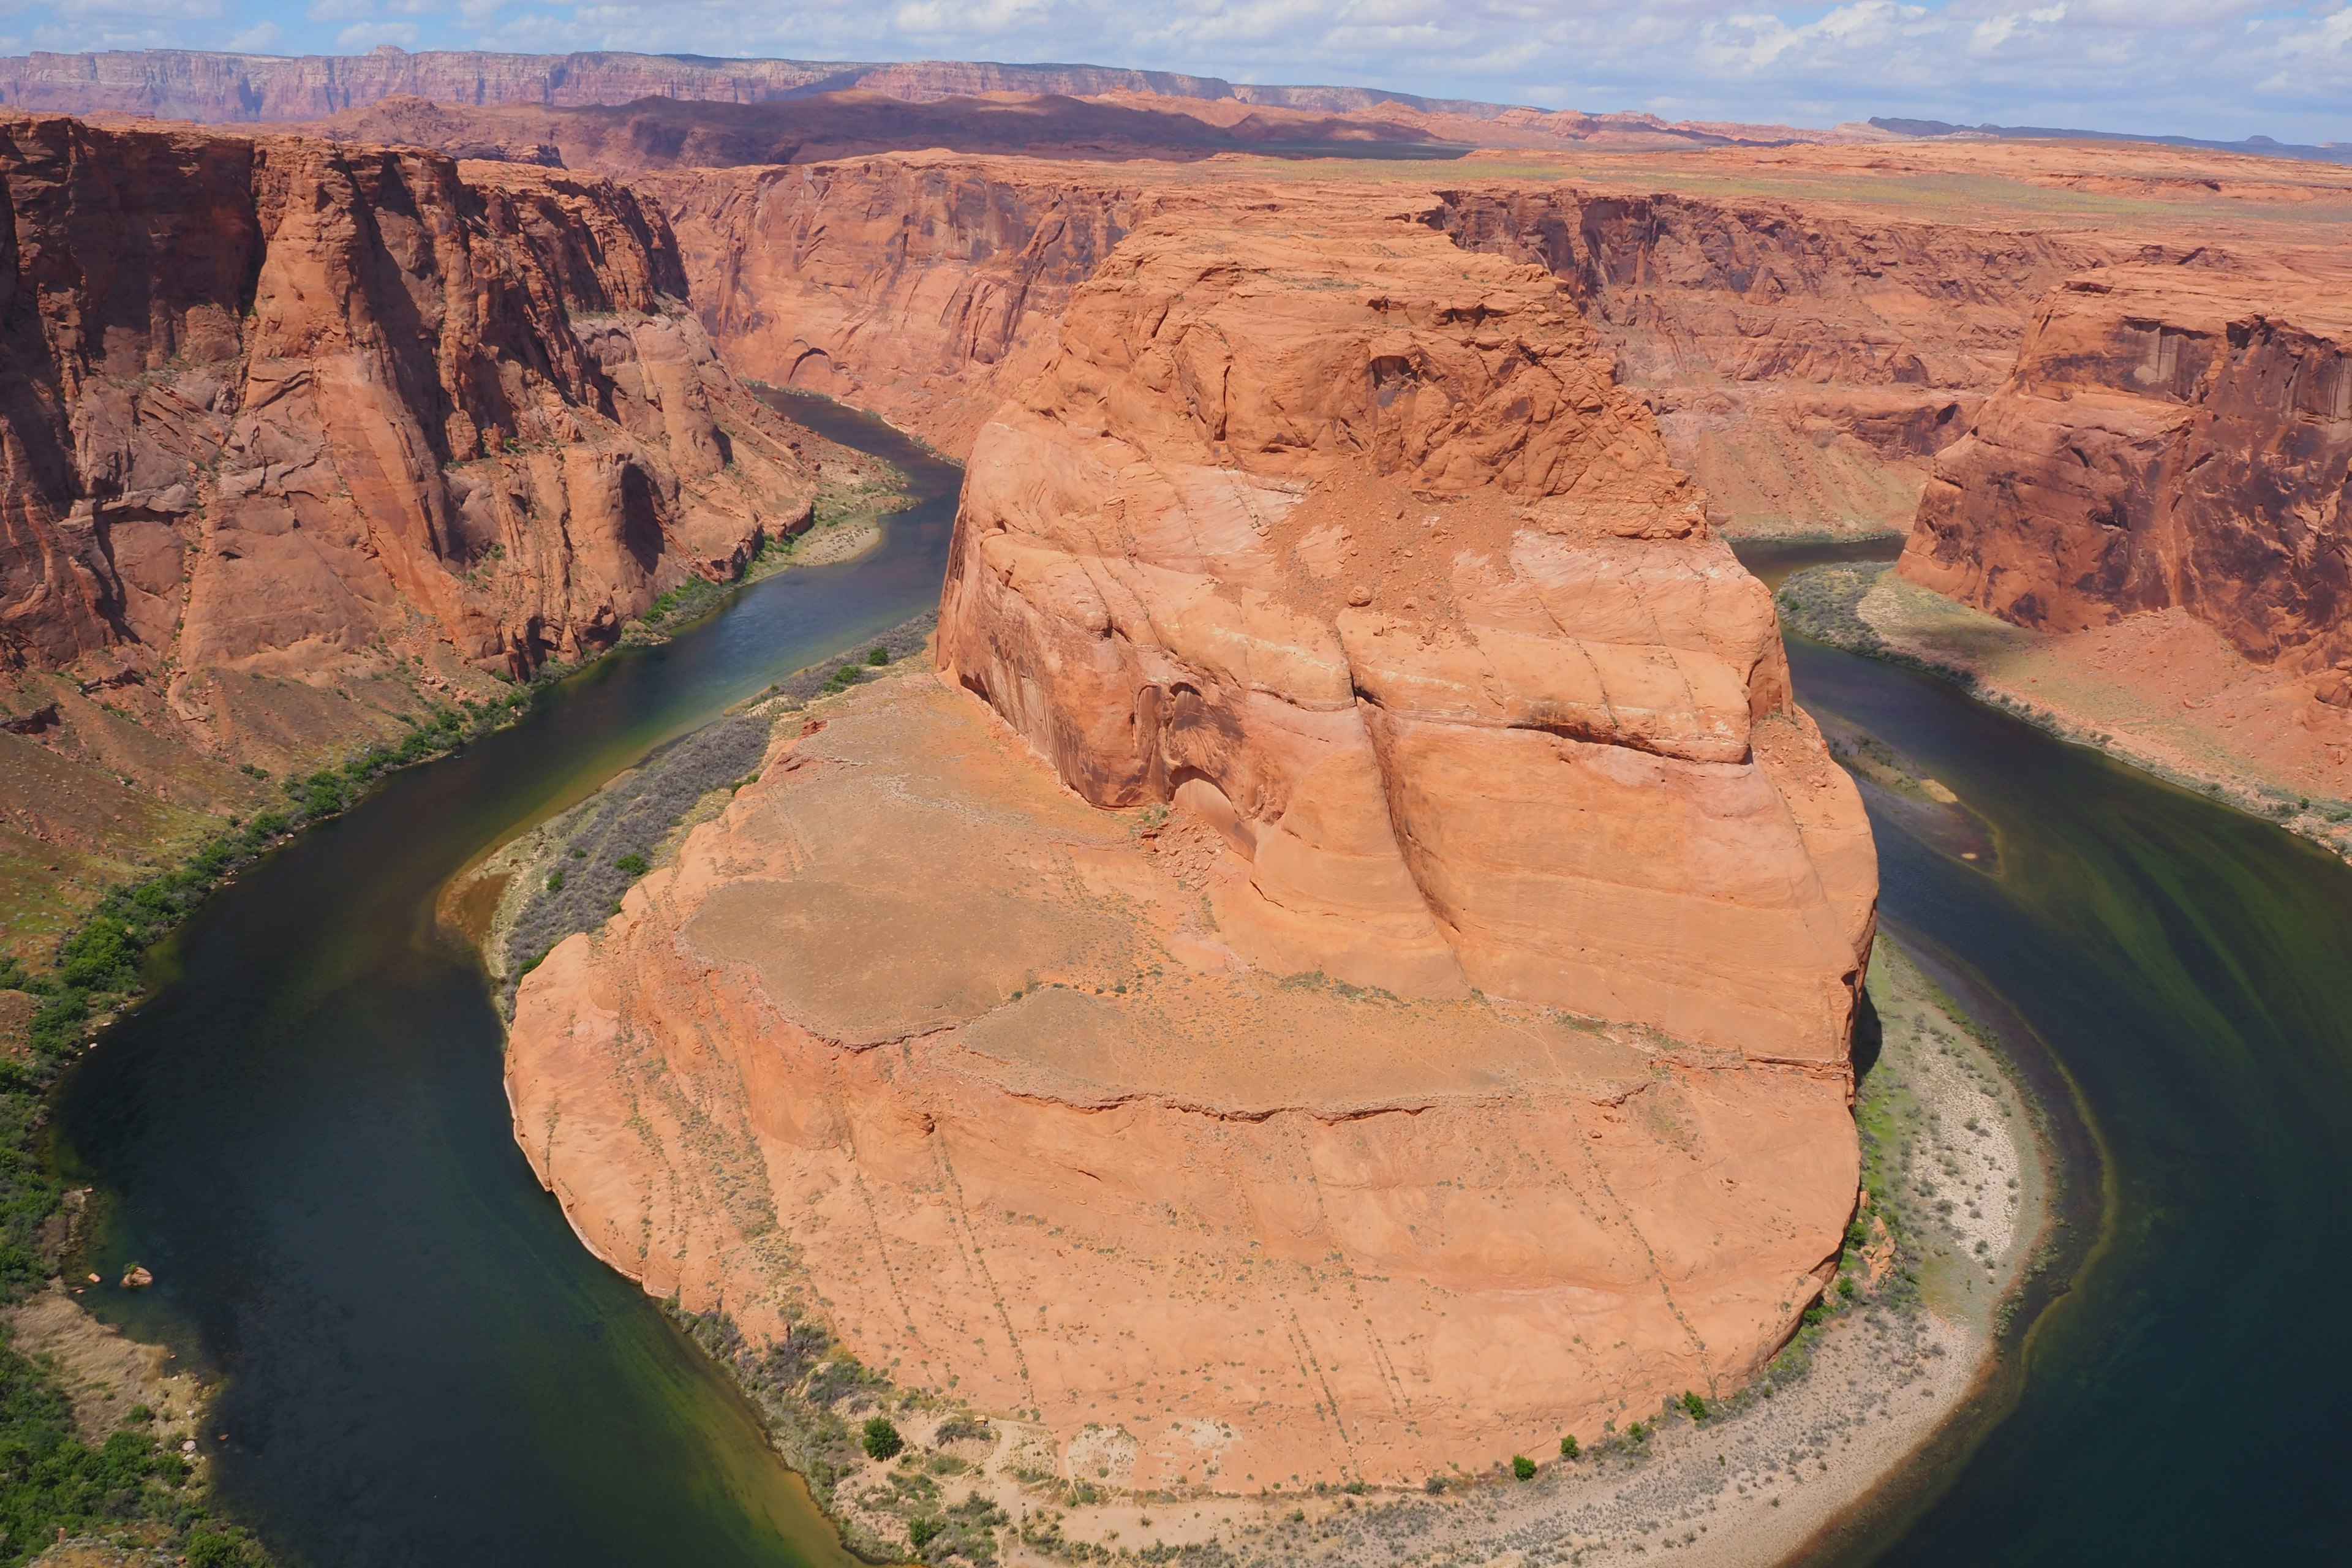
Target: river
{"type": "Point", "coordinates": [302, 1133]}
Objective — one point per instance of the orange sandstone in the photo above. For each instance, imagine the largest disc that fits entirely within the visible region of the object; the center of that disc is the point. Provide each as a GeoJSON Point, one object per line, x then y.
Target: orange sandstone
{"type": "Point", "coordinates": [1359, 977]}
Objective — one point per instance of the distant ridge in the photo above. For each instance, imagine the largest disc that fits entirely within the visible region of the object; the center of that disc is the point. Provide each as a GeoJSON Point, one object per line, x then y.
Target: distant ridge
{"type": "Point", "coordinates": [244, 89]}
{"type": "Point", "coordinates": [2325, 152]}
{"type": "Point", "coordinates": [193, 84]}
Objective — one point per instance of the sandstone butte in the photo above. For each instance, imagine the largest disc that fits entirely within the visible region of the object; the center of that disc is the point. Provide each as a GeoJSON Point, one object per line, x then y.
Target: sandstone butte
{"type": "Point", "coordinates": [1348, 965]}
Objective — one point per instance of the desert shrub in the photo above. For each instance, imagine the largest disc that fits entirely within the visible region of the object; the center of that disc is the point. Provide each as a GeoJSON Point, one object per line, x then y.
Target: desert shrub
{"type": "Point", "coordinates": [1568, 1448]}
{"type": "Point", "coordinates": [634, 863]}
{"type": "Point", "coordinates": [1523, 1467]}
{"type": "Point", "coordinates": [1693, 1405]}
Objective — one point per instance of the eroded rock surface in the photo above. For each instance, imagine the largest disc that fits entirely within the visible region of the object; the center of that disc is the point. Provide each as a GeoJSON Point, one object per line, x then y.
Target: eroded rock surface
{"type": "Point", "coordinates": [1806, 365]}
{"type": "Point", "coordinates": [2172, 437]}
{"type": "Point", "coordinates": [1350, 971]}
{"type": "Point", "coordinates": [269, 401]}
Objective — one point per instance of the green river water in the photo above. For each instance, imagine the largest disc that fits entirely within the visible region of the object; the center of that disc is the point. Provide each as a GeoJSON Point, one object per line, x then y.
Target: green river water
{"type": "Point", "coordinates": [302, 1133]}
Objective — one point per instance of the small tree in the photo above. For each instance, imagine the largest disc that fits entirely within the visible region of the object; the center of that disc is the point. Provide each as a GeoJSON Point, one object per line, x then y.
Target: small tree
{"type": "Point", "coordinates": [882, 1441]}
{"type": "Point", "coordinates": [1693, 1405]}
{"type": "Point", "coordinates": [1523, 1467]}
{"type": "Point", "coordinates": [1568, 1448]}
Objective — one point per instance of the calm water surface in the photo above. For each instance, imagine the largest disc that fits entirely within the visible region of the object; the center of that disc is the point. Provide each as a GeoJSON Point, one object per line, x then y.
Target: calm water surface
{"type": "Point", "coordinates": [304, 1135]}
{"type": "Point", "coordinates": [2190, 969]}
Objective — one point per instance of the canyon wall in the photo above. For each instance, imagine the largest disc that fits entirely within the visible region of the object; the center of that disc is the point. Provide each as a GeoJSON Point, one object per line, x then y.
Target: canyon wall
{"type": "Point", "coordinates": [1393, 1001]}
{"type": "Point", "coordinates": [268, 403]}
{"type": "Point", "coordinates": [2172, 437]}
{"type": "Point", "coordinates": [923, 287]}
{"type": "Point", "coordinates": [1806, 364]}
{"type": "Point", "coordinates": [300, 440]}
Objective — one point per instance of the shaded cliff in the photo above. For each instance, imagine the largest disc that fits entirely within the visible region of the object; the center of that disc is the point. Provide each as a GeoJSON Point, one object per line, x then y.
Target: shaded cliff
{"type": "Point", "coordinates": [1395, 1000]}
{"type": "Point", "coordinates": [1806, 365]}
{"type": "Point", "coordinates": [298, 439]}
{"type": "Point", "coordinates": [2173, 437]}
{"type": "Point", "coordinates": [663, 134]}
{"type": "Point", "coordinates": [924, 287]}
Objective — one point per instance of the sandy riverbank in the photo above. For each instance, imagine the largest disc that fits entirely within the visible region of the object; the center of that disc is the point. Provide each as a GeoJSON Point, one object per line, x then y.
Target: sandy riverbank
{"type": "Point", "coordinates": [2161, 691]}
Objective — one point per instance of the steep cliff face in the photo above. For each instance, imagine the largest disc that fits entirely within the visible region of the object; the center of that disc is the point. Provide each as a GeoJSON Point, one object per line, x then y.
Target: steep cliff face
{"type": "Point", "coordinates": [268, 403]}
{"type": "Point", "coordinates": [2172, 437]}
{"type": "Point", "coordinates": [1806, 366]}
{"type": "Point", "coordinates": [1394, 1003]}
{"type": "Point", "coordinates": [298, 441]}
{"type": "Point", "coordinates": [1312, 539]}
{"type": "Point", "coordinates": [924, 288]}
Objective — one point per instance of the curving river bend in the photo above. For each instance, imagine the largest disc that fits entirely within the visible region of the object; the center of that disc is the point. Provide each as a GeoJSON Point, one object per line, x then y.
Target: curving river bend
{"type": "Point", "coordinates": [302, 1133]}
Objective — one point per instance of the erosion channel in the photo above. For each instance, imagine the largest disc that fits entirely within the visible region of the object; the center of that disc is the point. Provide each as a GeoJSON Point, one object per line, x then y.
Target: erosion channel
{"type": "Point", "coordinates": [302, 1134]}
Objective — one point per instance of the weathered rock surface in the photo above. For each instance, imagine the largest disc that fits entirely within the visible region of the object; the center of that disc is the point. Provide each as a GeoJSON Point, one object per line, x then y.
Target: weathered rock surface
{"type": "Point", "coordinates": [1393, 999]}
{"type": "Point", "coordinates": [924, 287]}
{"type": "Point", "coordinates": [268, 402]}
{"type": "Point", "coordinates": [1806, 366]}
{"type": "Point", "coordinates": [298, 439]}
{"type": "Point", "coordinates": [2172, 437]}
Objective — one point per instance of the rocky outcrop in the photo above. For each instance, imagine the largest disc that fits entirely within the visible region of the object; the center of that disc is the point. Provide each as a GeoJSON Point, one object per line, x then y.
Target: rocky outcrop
{"type": "Point", "coordinates": [1352, 971]}
{"type": "Point", "coordinates": [2172, 437]}
{"type": "Point", "coordinates": [926, 288]}
{"type": "Point", "coordinates": [1806, 364]}
{"type": "Point", "coordinates": [266, 406]}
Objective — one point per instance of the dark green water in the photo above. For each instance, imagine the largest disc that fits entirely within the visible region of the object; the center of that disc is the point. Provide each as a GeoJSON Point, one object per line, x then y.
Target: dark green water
{"type": "Point", "coordinates": [2183, 1397]}
{"type": "Point", "coordinates": [304, 1136]}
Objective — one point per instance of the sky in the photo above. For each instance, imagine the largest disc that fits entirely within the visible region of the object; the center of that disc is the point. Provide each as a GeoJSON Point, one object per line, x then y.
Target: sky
{"type": "Point", "coordinates": [2219, 68]}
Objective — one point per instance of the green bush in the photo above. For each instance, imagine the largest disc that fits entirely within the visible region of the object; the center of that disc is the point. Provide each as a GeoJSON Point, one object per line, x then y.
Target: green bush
{"type": "Point", "coordinates": [634, 863]}
{"type": "Point", "coordinates": [556, 881]}
{"type": "Point", "coordinates": [879, 656]}
{"type": "Point", "coordinates": [1523, 1467]}
{"type": "Point", "coordinates": [880, 1439]}
{"type": "Point", "coordinates": [923, 1532]}
{"type": "Point", "coordinates": [1693, 1405]}
{"type": "Point", "coordinates": [1568, 1448]}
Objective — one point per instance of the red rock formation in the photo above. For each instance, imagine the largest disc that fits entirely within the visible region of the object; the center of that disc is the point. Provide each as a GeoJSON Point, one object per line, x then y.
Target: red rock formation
{"type": "Point", "coordinates": [265, 403]}
{"type": "Point", "coordinates": [1313, 535]}
{"type": "Point", "coordinates": [923, 287]}
{"type": "Point", "coordinates": [1464, 1057]}
{"type": "Point", "coordinates": [2172, 437]}
{"type": "Point", "coordinates": [1806, 365]}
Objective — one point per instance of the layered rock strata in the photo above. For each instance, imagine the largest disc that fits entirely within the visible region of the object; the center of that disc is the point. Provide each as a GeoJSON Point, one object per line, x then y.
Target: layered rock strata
{"type": "Point", "coordinates": [2172, 437]}
{"type": "Point", "coordinates": [1806, 365]}
{"type": "Point", "coordinates": [268, 402]}
{"type": "Point", "coordinates": [298, 441]}
{"type": "Point", "coordinates": [1349, 971]}
{"type": "Point", "coordinates": [926, 287]}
